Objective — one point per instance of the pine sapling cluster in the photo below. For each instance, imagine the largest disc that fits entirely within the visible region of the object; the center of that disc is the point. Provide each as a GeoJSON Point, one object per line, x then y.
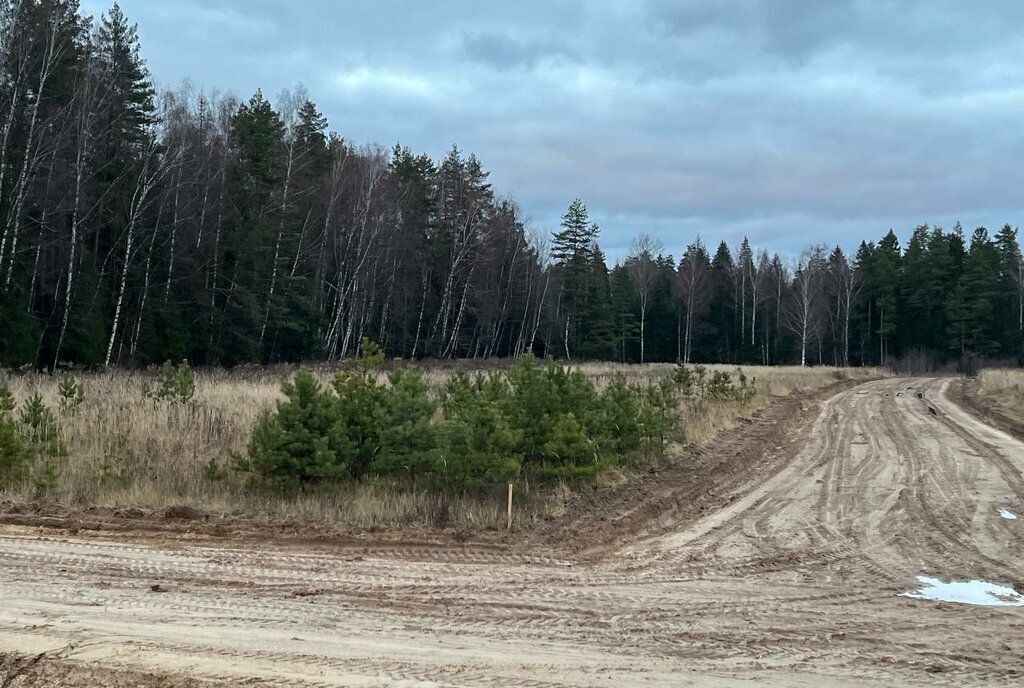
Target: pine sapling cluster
{"type": "Point", "coordinates": [175, 384]}
{"type": "Point", "coordinates": [531, 422]}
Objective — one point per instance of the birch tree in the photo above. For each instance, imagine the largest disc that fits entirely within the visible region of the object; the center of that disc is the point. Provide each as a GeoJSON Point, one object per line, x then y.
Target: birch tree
{"type": "Point", "coordinates": [643, 271]}
{"type": "Point", "coordinates": [803, 316]}
{"type": "Point", "coordinates": [693, 290]}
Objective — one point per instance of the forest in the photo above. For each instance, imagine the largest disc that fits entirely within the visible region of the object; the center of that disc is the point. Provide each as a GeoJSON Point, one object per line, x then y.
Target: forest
{"type": "Point", "coordinates": [141, 226]}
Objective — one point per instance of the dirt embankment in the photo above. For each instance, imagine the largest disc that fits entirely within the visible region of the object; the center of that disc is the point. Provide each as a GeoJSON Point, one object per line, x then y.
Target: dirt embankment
{"type": "Point", "coordinates": [965, 392]}
{"type": "Point", "coordinates": [697, 481]}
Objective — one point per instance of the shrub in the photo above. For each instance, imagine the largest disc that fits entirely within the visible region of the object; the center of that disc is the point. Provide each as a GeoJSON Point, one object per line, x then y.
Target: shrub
{"type": "Point", "coordinates": [174, 383]}
{"type": "Point", "coordinates": [213, 471]}
{"type": "Point", "coordinates": [657, 415]}
{"type": "Point", "coordinates": [45, 479]}
{"type": "Point", "coordinates": [690, 379]}
{"type": "Point", "coordinates": [540, 397]}
{"type": "Point", "coordinates": [114, 474]}
{"type": "Point", "coordinates": [569, 450]}
{"type": "Point", "coordinates": [407, 435]}
{"type": "Point", "coordinates": [720, 386]}
{"type": "Point", "coordinates": [358, 416]}
{"type": "Point", "coordinates": [300, 442]}
{"type": "Point", "coordinates": [480, 445]}
{"type": "Point", "coordinates": [371, 355]}
{"type": "Point", "coordinates": [622, 415]}
{"type": "Point", "coordinates": [40, 427]}
{"type": "Point", "coordinates": [14, 450]}
{"type": "Point", "coordinates": [72, 393]}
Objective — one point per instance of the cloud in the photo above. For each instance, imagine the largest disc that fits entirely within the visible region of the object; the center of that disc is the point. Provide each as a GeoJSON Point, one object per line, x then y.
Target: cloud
{"type": "Point", "coordinates": [501, 51]}
{"type": "Point", "coordinates": [368, 80]}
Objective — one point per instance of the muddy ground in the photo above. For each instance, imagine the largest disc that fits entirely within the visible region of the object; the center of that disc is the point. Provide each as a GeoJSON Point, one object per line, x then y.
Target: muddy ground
{"type": "Point", "coordinates": [783, 564]}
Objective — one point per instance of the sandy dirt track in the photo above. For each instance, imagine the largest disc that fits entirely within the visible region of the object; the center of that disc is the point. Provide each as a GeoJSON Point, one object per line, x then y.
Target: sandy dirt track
{"type": "Point", "coordinates": [796, 582]}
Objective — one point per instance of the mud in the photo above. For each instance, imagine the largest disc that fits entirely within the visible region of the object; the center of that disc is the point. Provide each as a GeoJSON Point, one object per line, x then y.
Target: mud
{"type": "Point", "coordinates": [791, 574]}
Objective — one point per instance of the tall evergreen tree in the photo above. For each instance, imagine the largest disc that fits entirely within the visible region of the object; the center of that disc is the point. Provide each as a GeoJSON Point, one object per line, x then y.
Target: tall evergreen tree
{"type": "Point", "coordinates": [1010, 301]}
{"type": "Point", "coordinates": [883, 283]}
{"type": "Point", "coordinates": [574, 248]}
{"type": "Point", "coordinates": [723, 315]}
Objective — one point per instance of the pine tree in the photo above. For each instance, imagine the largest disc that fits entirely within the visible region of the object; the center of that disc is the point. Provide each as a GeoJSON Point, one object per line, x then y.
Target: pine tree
{"type": "Point", "coordinates": [622, 307]}
{"type": "Point", "coordinates": [981, 289]}
{"type": "Point", "coordinates": [916, 309]}
{"type": "Point", "coordinates": [571, 246]}
{"type": "Point", "coordinates": [257, 132]}
{"type": "Point", "coordinates": [723, 309]}
{"type": "Point", "coordinates": [883, 280]}
{"type": "Point", "coordinates": [942, 275]}
{"type": "Point", "coordinates": [573, 249]}
{"type": "Point", "coordinates": [596, 320]}
{"type": "Point", "coordinates": [311, 135]}
{"type": "Point", "coordinates": [1010, 301]}
{"type": "Point", "coordinates": [132, 107]}
{"type": "Point", "coordinates": [744, 272]}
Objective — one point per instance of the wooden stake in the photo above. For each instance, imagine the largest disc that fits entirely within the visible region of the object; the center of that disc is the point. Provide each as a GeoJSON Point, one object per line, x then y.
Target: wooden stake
{"type": "Point", "coordinates": [510, 506]}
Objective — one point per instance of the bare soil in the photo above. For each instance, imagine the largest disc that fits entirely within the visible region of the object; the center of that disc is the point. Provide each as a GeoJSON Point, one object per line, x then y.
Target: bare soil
{"type": "Point", "coordinates": [782, 565]}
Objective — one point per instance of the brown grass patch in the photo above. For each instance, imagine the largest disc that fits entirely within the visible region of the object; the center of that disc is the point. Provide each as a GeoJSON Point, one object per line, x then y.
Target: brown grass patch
{"type": "Point", "coordinates": [1003, 388]}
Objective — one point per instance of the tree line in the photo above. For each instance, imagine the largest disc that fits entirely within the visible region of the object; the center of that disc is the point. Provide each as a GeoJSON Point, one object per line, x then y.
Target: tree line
{"type": "Point", "coordinates": [139, 227]}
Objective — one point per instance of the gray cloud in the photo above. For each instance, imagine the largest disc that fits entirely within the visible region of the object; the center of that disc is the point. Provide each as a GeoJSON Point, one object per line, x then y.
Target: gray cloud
{"type": "Point", "coordinates": [793, 121]}
{"type": "Point", "coordinates": [501, 51]}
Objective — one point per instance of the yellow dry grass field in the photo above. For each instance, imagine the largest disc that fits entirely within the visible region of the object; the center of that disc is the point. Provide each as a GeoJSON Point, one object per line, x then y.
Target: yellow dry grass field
{"type": "Point", "coordinates": [1004, 383]}
{"type": "Point", "coordinates": [126, 450]}
{"type": "Point", "coordinates": [1003, 387]}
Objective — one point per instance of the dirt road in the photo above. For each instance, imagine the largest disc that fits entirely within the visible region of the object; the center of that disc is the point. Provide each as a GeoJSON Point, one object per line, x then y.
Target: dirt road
{"type": "Point", "coordinates": [796, 582]}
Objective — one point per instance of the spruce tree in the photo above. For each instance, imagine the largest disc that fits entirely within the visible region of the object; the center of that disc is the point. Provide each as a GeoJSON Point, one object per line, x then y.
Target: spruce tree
{"type": "Point", "coordinates": [1010, 300]}
{"type": "Point", "coordinates": [981, 290]}
{"type": "Point", "coordinates": [884, 284]}
{"type": "Point", "coordinates": [596, 323]}
{"type": "Point", "coordinates": [723, 309]}
{"type": "Point", "coordinates": [574, 250]}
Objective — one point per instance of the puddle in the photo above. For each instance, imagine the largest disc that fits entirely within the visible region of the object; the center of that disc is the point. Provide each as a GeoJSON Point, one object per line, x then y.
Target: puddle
{"type": "Point", "coordinates": [967, 592]}
{"type": "Point", "coordinates": [1008, 515]}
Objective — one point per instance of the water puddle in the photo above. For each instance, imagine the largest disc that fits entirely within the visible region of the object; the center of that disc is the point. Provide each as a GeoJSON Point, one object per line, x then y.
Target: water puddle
{"type": "Point", "coordinates": [967, 592]}
{"type": "Point", "coordinates": [1008, 515]}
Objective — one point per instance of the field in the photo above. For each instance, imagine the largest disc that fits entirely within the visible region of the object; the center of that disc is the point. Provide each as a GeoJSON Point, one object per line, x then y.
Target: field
{"type": "Point", "coordinates": [129, 451]}
{"type": "Point", "coordinates": [865, 534]}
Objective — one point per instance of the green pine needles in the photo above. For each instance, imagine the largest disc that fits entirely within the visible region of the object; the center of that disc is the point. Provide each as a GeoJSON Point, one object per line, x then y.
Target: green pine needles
{"type": "Point", "coordinates": [175, 384]}
{"type": "Point", "coordinates": [532, 422]}
{"type": "Point", "coordinates": [14, 451]}
{"type": "Point", "coordinates": [30, 442]}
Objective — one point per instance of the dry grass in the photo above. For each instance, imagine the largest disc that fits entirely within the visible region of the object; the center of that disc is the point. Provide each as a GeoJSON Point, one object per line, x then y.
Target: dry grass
{"type": "Point", "coordinates": [999, 381]}
{"type": "Point", "coordinates": [130, 451]}
{"type": "Point", "coordinates": [1004, 387]}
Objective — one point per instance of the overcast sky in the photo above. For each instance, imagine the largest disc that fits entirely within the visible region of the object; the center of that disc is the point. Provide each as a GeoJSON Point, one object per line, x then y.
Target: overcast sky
{"type": "Point", "coordinates": [791, 121]}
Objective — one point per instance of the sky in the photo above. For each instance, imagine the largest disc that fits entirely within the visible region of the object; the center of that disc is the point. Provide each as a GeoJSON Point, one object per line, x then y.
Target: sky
{"type": "Point", "coordinates": [792, 122]}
